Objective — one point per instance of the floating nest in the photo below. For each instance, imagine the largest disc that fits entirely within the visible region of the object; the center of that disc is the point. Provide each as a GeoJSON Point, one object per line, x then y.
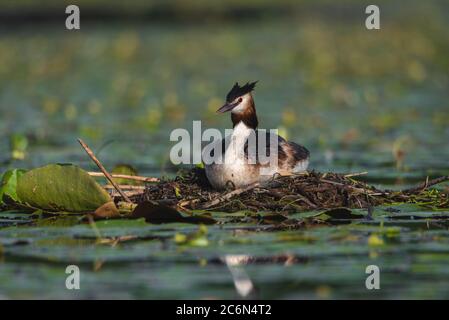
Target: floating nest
{"type": "Point", "coordinates": [191, 190]}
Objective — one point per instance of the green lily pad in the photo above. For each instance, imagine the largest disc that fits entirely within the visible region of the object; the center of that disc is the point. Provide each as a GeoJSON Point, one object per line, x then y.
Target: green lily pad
{"type": "Point", "coordinates": [61, 188]}
{"type": "Point", "coordinates": [8, 185]}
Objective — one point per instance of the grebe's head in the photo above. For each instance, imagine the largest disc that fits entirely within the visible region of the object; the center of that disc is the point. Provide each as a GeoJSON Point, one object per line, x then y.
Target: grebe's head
{"type": "Point", "coordinates": [239, 99]}
{"type": "Point", "coordinates": [241, 104]}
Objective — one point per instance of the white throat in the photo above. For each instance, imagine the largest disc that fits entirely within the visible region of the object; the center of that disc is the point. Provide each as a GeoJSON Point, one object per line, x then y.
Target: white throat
{"type": "Point", "coordinates": [241, 131]}
{"type": "Point", "coordinates": [236, 142]}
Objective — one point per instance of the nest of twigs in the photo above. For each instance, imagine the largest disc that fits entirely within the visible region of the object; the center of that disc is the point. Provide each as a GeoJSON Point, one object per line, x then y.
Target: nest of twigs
{"type": "Point", "coordinates": [313, 190]}
{"type": "Point", "coordinates": [309, 191]}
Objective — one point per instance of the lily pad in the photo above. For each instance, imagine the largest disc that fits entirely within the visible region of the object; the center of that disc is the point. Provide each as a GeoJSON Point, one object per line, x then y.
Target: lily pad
{"type": "Point", "coordinates": [8, 185]}
{"type": "Point", "coordinates": [61, 188]}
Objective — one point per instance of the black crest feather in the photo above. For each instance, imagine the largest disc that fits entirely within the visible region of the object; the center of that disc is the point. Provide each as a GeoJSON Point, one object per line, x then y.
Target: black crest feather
{"type": "Point", "coordinates": [238, 91]}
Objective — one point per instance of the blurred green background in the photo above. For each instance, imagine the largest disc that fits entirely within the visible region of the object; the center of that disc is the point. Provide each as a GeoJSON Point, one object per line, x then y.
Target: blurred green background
{"type": "Point", "coordinates": [135, 71]}
{"type": "Point", "coordinates": [360, 100]}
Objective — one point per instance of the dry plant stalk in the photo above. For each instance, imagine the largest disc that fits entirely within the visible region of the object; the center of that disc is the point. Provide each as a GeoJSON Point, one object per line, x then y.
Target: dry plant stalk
{"type": "Point", "coordinates": [125, 176]}
{"type": "Point", "coordinates": [103, 169]}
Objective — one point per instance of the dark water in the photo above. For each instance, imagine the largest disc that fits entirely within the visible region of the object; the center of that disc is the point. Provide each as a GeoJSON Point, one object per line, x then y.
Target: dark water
{"type": "Point", "coordinates": [360, 100]}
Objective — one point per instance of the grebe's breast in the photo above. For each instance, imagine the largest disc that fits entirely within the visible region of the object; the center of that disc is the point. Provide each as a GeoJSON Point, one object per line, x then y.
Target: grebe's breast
{"type": "Point", "coordinates": [231, 168]}
{"type": "Point", "coordinates": [243, 163]}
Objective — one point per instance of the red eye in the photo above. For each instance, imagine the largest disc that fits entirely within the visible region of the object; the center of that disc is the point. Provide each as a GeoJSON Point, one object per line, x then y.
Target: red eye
{"type": "Point", "coordinates": [240, 100]}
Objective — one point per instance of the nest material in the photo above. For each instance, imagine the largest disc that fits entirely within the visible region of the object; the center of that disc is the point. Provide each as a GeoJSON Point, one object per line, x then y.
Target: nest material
{"type": "Point", "coordinates": [312, 190]}
{"type": "Point", "coordinates": [309, 191]}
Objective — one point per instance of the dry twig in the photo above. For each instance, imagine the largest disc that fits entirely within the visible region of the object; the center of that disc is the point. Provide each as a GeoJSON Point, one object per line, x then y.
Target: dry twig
{"type": "Point", "coordinates": [102, 168]}
{"type": "Point", "coordinates": [125, 176]}
{"type": "Point", "coordinates": [229, 195]}
{"type": "Point", "coordinates": [428, 183]}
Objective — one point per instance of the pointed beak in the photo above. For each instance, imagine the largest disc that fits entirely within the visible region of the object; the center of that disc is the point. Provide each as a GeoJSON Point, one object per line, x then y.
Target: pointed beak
{"type": "Point", "coordinates": [227, 107]}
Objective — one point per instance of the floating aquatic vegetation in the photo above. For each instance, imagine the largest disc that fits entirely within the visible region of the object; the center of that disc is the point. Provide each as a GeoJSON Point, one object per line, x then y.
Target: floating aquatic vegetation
{"type": "Point", "coordinates": [8, 185]}
{"type": "Point", "coordinates": [56, 188]}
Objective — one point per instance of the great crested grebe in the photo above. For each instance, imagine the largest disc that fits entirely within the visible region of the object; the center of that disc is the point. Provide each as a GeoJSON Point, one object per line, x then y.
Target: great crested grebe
{"type": "Point", "coordinates": [235, 169]}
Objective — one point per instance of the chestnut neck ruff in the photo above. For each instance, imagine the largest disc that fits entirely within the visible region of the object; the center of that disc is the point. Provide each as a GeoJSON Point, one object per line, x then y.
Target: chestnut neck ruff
{"type": "Point", "coordinates": [247, 116]}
